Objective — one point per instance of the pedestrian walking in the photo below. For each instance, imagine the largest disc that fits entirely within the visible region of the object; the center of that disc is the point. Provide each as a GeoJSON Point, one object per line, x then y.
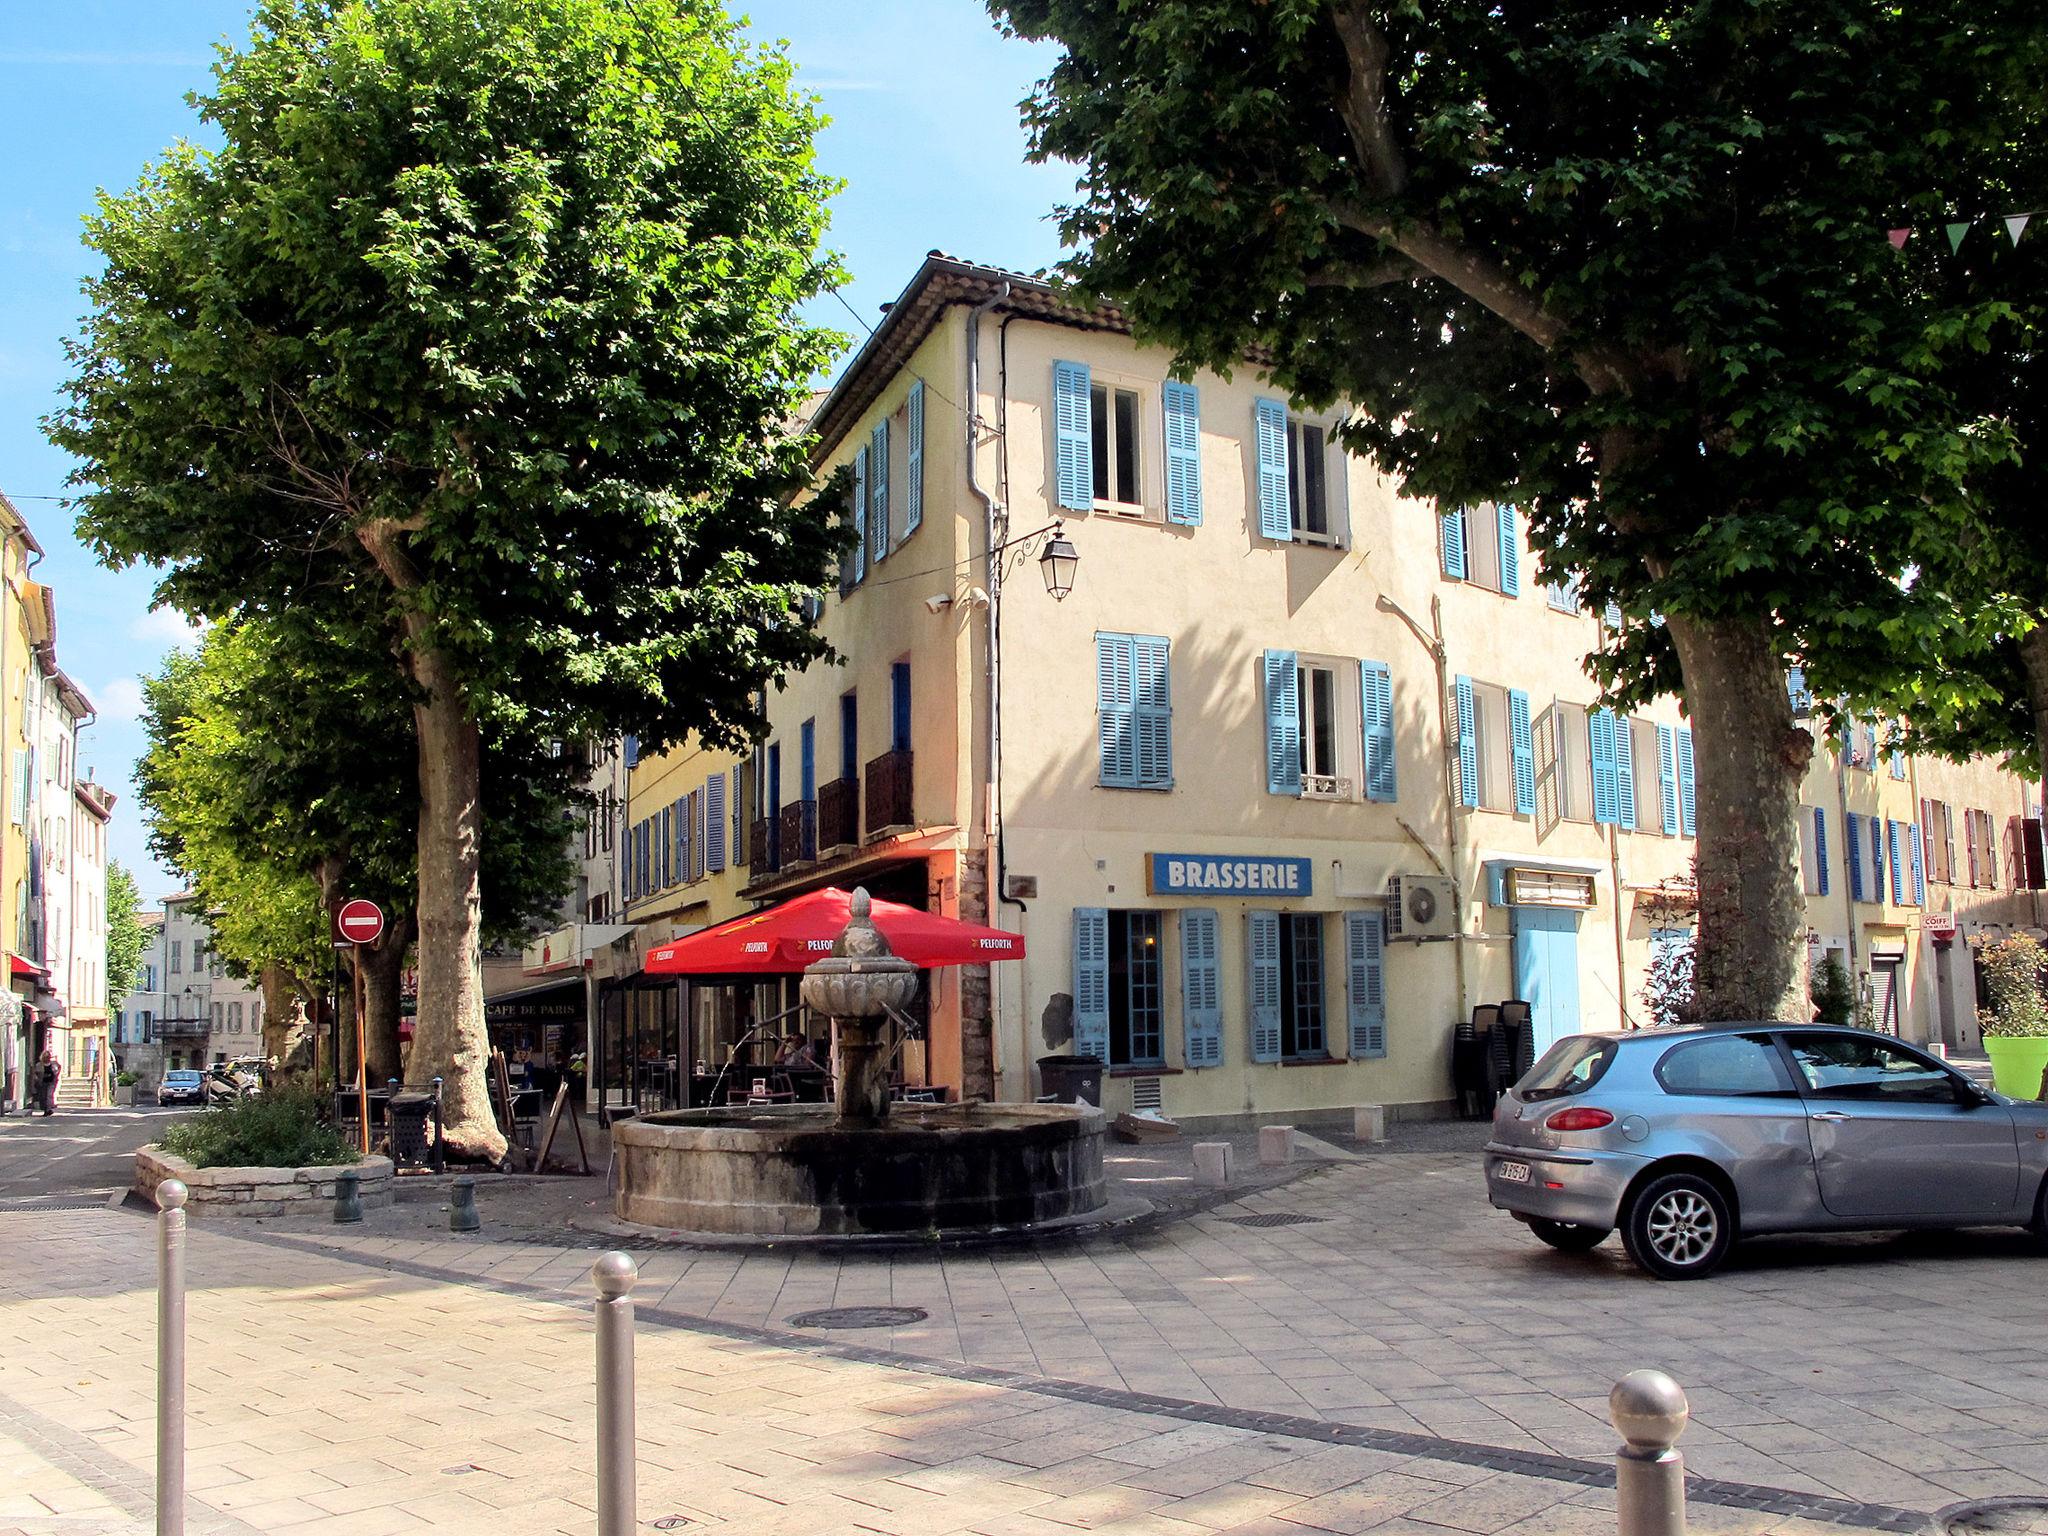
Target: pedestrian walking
{"type": "Point", "coordinates": [48, 1070]}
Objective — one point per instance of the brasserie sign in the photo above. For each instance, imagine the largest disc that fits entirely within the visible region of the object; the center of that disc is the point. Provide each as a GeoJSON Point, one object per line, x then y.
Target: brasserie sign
{"type": "Point", "coordinates": [1203, 874]}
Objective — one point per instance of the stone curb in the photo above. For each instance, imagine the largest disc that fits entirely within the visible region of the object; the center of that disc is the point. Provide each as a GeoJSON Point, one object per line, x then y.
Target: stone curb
{"type": "Point", "coordinates": [257, 1191]}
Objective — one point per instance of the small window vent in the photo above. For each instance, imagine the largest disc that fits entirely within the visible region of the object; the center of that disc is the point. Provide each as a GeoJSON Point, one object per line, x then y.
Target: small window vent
{"type": "Point", "coordinates": [1145, 1093]}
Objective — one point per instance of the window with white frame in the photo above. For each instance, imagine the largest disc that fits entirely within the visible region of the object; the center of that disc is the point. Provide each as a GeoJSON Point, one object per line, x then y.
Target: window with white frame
{"type": "Point", "coordinates": [1116, 420]}
{"type": "Point", "coordinates": [1308, 483]}
{"type": "Point", "coordinates": [1574, 767]}
{"type": "Point", "coordinates": [1648, 760]}
{"type": "Point", "coordinates": [1329, 728]}
{"type": "Point", "coordinates": [1485, 750]}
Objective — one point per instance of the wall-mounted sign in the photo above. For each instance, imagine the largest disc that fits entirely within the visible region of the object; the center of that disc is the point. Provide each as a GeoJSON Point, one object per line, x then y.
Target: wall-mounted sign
{"type": "Point", "coordinates": [1201, 874]}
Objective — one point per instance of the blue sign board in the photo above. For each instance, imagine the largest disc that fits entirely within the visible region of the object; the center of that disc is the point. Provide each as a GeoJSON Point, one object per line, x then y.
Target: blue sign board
{"type": "Point", "coordinates": [1207, 874]}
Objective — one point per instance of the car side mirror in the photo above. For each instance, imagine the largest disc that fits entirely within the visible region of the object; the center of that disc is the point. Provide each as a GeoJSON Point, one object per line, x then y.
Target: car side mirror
{"type": "Point", "coordinates": [1972, 1096]}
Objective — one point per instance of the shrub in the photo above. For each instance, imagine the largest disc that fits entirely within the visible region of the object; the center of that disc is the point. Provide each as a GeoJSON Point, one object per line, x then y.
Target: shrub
{"type": "Point", "coordinates": [279, 1130]}
{"type": "Point", "coordinates": [1833, 994]}
{"type": "Point", "coordinates": [2013, 970]}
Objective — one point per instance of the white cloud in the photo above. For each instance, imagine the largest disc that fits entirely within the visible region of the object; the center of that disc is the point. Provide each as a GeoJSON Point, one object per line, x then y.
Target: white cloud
{"type": "Point", "coordinates": [120, 700]}
{"type": "Point", "coordinates": [164, 626]}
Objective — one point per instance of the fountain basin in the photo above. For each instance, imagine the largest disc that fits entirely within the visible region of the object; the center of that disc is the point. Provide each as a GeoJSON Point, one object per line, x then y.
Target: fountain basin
{"type": "Point", "coordinates": [798, 1169]}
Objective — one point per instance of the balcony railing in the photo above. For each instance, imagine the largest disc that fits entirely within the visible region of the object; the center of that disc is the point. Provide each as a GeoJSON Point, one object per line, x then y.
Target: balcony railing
{"type": "Point", "coordinates": [838, 815]}
{"type": "Point", "coordinates": [182, 1029]}
{"type": "Point", "coordinates": [889, 794]}
{"type": "Point", "coordinates": [762, 840]}
{"type": "Point", "coordinates": [1325, 786]}
{"type": "Point", "coordinates": [799, 832]}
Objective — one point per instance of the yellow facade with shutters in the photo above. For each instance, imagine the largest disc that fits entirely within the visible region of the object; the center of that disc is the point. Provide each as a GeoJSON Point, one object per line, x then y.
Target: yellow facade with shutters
{"type": "Point", "coordinates": [1275, 687]}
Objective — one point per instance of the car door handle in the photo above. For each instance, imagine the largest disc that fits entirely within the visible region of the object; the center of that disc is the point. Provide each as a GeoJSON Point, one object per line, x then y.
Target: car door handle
{"type": "Point", "coordinates": [1830, 1116]}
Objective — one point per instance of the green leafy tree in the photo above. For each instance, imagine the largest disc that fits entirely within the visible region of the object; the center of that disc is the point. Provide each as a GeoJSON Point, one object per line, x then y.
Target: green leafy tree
{"type": "Point", "coordinates": [126, 939]}
{"type": "Point", "coordinates": [279, 779]}
{"type": "Point", "coordinates": [486, 312]}
{"type": "Point", "coordinates": [1832, 992]}
{"type": "Point", "coordinates": [1625, 269]}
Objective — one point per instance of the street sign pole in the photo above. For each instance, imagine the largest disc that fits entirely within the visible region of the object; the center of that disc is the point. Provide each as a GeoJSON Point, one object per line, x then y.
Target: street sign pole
{"type": "Point", "coordinates": [358, 923]}
{"type": "Point", "coordinates": [362, 1060]}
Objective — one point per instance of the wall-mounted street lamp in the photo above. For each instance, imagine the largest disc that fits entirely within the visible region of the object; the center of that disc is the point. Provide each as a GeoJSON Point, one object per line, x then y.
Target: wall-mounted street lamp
{"type": "Point", "coordinates": [1057, 563]}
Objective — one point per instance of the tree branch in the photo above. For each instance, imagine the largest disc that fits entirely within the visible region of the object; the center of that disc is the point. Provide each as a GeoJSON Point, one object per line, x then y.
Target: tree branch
{"type": "Point", "coordinates": [1363, 103]}
{"type": "Point", "coordinates": [1350, 275]}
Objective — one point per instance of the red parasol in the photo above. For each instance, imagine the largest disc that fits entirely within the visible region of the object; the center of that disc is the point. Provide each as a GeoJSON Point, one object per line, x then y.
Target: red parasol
{"type": "Point", "coordinates": [784, 939]}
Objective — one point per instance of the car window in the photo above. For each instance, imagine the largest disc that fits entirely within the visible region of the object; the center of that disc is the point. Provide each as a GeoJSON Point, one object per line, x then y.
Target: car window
{"type": "Point", "coordinates": [1869, 1069]}
{"type": "Point", "coordinates": [1571, 1066]}
{"type": "Point", "coordinates": [1724, 1065]}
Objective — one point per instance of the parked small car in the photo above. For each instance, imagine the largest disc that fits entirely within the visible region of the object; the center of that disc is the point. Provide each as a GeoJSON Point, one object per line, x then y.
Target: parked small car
{"type": "Point", "coordinates": [1688, 1139]}
{"type": "Point", "coordinates": [181, 1085]}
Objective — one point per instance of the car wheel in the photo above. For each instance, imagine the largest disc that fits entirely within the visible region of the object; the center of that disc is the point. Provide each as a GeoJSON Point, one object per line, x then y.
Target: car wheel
{"type": "Point", "coordinates": [1568, 1236]}
{"type": "Point", "coordinates": [2039, 1225]}
{"type": "Point", "coordinates": [1679, 1227]}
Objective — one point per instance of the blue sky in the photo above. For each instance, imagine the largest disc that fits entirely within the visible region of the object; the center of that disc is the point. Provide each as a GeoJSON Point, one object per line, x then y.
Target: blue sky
{"type": "Point", "coordinates": [923, 96]}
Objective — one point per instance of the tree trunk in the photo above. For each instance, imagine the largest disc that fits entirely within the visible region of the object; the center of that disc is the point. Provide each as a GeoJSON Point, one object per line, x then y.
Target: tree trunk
{"type": "Point", "coordinates": [2034, 663]}
{"type": "Point", "coordinates": [287, 1042]}
{"type": "Point", "coordinates": [449, 1040]}
{"type": "Point", "coordinates": [383, 977]}
{"type": "Point", "coordinates": [1749, 759]}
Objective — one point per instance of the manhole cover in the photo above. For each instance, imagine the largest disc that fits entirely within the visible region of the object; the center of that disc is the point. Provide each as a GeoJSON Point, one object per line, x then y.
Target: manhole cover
{"type": "Point", "coordinates": [860, 1317]}
{"type": "Point", "coordinates": [1996, 1517]}
{"type": "Point", "coordinates": [1274, 1219]}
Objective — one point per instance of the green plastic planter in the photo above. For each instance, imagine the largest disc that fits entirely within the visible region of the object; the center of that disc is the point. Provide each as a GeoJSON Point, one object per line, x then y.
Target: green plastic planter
{"type": "Point", "coordinates": [2017, 1062]}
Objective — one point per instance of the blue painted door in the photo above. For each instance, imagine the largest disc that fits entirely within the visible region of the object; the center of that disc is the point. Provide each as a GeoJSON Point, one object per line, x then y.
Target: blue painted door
{"type": "Point", "coordinates": [1547, 971]}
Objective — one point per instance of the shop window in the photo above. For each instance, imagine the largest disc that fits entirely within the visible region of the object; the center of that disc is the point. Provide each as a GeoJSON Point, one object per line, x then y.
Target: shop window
{"type": "Point", "coordinates": [1136, 1017]}
{"type": "Point", "coordinates": [1301, 993]}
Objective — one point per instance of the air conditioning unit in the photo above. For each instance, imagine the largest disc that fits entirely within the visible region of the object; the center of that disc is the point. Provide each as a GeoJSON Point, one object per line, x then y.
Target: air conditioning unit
{"type": "Point", "coordinates": [1421, 907]}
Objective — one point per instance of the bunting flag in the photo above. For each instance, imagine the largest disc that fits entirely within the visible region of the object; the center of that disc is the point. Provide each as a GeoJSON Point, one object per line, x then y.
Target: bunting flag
{"type": "Point", "coordinates": [1959, 230]}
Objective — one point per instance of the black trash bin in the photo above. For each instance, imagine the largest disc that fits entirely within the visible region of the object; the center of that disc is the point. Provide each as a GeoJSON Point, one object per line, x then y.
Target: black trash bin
{"type": "Point", "coordinates": [416, 1131]}
{"type": "Point", "coordinates": [1067, 1078]}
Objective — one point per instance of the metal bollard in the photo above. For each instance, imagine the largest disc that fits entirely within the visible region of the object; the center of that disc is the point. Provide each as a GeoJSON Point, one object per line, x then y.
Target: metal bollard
{"type": "Point", "coordinates": [1649, 1410]}
{"type": "Point", "coordinates": [617, 1475]}
{"type": "Point", "coordinates": [170, 1358]}
{"type": "Point", "coordinates": [462, 1216]}
{"type": "Point", "coordinates": [348, 1196]}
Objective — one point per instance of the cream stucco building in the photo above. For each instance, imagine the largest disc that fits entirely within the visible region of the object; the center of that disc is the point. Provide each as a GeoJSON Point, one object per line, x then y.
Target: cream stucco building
{"type": "Point", "coordinates": [1278, 696]}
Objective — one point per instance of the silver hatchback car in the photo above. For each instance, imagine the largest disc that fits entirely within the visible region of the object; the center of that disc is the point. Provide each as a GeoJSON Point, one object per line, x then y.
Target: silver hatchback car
{"type": "Point", "coordinates": [1687, 1139]}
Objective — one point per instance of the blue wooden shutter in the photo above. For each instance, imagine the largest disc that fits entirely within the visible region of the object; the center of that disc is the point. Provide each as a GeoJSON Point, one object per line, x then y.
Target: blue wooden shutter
{"type": "Point", "coordinates": [1625, 770]}
{"type": "Point", "coordinates": [860, 515]}
{"type": "Point", "coordinates": [1600, 740]}
{"type": "Point", "coordinates": [1183, 412]}
{"type": "Point", "coordinates": [1852, 840]}
{"type": "Point", "coordinates": [1116, 726]}
{"type": "Point", "coordinates": [702, 820]}
{"type": "Point", "coordinates": [1667, 777]}
{"type": "Point", "coordinates": [714, 823]}
{"type": "Point", "coordinates": [1919, 867]}
{"type": "Point", "coordinates": [1201, 994]}
{"type": "Point", "coordinates": [1522, 749]}
{"type": "Point", "coordinates": [739, 806]}
{"type": "Point", "coordinates": [913, 465]}
{"type": "Point", "coordinates": [1685, 796]}
{"type": "Point", "coordinates": [1269, 422]}
{"type": "Point", "coordinates": [1894, 842]}
{"type": "Point", "coordinates": [1376, 711]}
{"type": "Point", "coordinates": [1820, 850]}
{"type": "Point", "coordinates": [1468, 742]}
{"type": "Point", "coordinates": [1876, 858]}
{"type": "Point", "coordinates": [878, 500]}
{"type": "Point", "coordinates": [1073, 453]}
{"type": "Point", "coordinates": [1510, 552]}
{"type": "Point", "coordinates": [1152, 711]}
{"type": "Point", "coordinates": [1091, 982]}
{"type": "Point", "coordinates": [1451, 543]}
{"type": "Point", "coordinates": [1264, 930]}
{"type": "Point", "coordinates": [1363, 954]}
{"type": "Point", "coordinates": [1898, 763]}
{"type": "Point", "coordinates": [1283, 724]}
{"type": "Point", "coordinates": [679, 838]}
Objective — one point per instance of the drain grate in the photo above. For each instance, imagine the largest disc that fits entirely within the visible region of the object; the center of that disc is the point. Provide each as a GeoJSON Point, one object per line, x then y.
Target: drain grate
{"type": "Point", "coordinates": [1274, 1219]}
{"type": "Point", "coordinates": [58, 1202]}
{"type": "Point", "coordinates": [1996, 1517]}
{"type": "Point", "coordinates": [860, 1317]}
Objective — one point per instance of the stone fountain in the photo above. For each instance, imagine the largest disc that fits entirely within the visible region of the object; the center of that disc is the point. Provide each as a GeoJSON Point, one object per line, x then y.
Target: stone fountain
{"type": "Point", "coordinates": [860, 1164]}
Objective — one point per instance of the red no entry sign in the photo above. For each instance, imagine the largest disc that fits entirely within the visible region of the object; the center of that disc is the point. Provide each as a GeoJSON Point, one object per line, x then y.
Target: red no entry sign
{"type": "Point", "coordinates": [359, 922]}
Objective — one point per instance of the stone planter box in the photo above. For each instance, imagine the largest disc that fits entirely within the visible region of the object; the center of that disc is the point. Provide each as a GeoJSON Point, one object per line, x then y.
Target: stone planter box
{"type": "Point", "coordinates": [124, 1094]}
{"type": "Point", "coordinates": [257, 1191]}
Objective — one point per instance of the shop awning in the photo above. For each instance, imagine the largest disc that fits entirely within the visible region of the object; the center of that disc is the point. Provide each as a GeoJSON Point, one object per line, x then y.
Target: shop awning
{"type": "Point", "coordinates": [787, 937]}
{"type": "Point", "coordinates": [23, 967]}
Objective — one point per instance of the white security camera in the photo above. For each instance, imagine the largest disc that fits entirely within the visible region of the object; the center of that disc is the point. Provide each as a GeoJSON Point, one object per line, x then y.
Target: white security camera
{"type": "Point", "coordinates": [939, 602]}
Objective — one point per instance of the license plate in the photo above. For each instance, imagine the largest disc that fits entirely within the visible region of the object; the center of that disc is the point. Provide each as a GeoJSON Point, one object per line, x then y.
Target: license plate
{"type": "Point", "coordinates": [1511, 1173]}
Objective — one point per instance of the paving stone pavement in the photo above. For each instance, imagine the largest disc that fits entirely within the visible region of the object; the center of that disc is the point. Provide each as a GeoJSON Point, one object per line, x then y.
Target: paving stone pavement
{"type": "Point", "coordinates": [1405, 1360]}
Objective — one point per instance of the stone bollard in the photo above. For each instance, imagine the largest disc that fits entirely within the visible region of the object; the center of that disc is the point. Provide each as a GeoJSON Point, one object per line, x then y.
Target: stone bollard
{"type": "Point", "coordinates": [1212, 1164]}
{"type": "Point", "coordinates": [1649, 1410]}
{"type": "Point", "coordinates": [348, 1196]}
{"type": "Point", "coordinates": [1276, 1145]}
{"type": "Point", "coordinates": [1369, 1122]}
{"type": "Point", "coordinates": [462, 1216]}
{"type": "Point", "coordinates": [617, 1449]}
{"type": "Point", "coordinates": [170, 1358]}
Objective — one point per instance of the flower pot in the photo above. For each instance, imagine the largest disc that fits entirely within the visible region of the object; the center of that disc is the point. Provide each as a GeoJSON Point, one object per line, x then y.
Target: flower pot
{"type": "Point", "coordinates": [2017, 1062]}
{"type": "Point", "coordinates": [124, 1094]}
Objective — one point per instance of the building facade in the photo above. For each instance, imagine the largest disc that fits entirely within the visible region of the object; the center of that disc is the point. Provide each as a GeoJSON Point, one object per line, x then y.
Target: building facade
{"type": "Point", "coordinates": [187, 1011]}
{"type": "Point", "coordinates": [1297, 775]}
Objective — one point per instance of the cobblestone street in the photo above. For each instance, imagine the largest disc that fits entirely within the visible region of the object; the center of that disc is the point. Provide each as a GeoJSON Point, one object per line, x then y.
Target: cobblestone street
{"type": "Point", "coordinates": [1393, 1355]}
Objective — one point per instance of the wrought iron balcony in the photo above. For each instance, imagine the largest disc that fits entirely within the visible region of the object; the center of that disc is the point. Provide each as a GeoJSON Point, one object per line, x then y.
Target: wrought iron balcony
{"type": "Point", "coordinates": [838, 815]}
{"type": "Point", "coordinates": [799, 832]}
{"type": "Point", "coordinates": [1325, 786]}
{"type": "Point", "coordinates": [890, 802]}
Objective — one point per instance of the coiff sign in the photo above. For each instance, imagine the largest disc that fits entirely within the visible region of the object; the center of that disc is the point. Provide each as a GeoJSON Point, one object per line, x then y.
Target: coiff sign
{"type": "Point", "coordinates": [1203, 874]}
